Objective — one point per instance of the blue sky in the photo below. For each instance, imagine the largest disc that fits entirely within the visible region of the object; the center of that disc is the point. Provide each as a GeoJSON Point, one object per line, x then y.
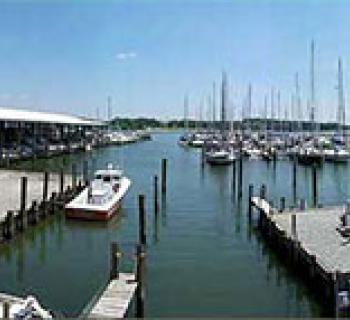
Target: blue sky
{"type": "Point", "coordinates": [70, 55]}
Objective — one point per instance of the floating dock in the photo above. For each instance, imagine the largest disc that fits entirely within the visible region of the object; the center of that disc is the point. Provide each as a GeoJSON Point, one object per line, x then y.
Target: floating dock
{"type": "Point", "coordinates": [115, 299]}
{"type": "Point", "coordinates": [311, 242]}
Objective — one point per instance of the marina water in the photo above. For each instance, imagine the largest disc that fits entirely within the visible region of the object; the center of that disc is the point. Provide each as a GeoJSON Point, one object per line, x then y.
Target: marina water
{"type": "Point", "coordinates": [203, 259]}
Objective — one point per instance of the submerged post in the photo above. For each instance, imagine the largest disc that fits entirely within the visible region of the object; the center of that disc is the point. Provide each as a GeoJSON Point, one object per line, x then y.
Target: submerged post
{"type": "Point", "coordinates": [142, 220]}
{"type": "Point", "coordinates": [115, 254]}
{"type": "Point", "coordinates": [140, 292]}
{"type": "Point", "coordinates": [156, 205]}
{"type": "Point", "coordinates": [164, 175]}
{"type": "Point", "coordinates": [314, 185]}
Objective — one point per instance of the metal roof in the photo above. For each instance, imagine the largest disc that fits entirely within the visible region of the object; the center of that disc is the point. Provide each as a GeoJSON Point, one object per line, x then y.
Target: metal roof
{"type": "Point", "coordinates": [10, 114]}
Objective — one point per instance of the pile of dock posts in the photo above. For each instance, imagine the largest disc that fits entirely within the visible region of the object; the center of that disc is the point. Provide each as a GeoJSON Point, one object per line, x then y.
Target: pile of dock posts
{"type": "Point", "coordinates": [17, 221]}
{"type": "Point", "coordinates": [308, 240]}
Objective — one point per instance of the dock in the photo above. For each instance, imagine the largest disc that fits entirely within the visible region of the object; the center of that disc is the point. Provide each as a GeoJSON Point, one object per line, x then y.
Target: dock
{"type": "Point", "coordinates": [115, 300]}
{"type": "Point", "coordinates": [313, 246]}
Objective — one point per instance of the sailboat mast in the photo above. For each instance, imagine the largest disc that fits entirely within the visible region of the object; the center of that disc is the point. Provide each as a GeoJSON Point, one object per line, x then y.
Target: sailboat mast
{"type": "Point", "coordinates": [341, 99]}
{"type": "Point", "coordinates": [186, 112]}
{"type": "Point", "coordinates": [223, 100]}
{"type": "Point", "coordinates": [312, 85]}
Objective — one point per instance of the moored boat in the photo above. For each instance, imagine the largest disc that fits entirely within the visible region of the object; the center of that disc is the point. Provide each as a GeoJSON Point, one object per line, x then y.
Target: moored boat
{"type": "Point", "coordinates": [102, 198]}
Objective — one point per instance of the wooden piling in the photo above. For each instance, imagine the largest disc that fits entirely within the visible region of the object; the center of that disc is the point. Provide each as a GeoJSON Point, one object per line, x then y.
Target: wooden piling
{"type": "Point", "coordinates": [24, 185]}
{"type": "Point", "coordinates": [45, 186]}
{"type": "Point", "coordinates": [234, 178]}
{"type": "Point", "coordinates": [23, 204]}
{"type": "Point", "coordinates": [142, 220]}
{"type": "Point", "coordinates": [8, 226]}
{"type": "Point", "coordinates": [74, 177]}
{"type": "Point", "coordinates": [86, 172]}
{"type": "Point", "coordinates": [314, 185]}
{"type": "Point", "coordinates": [156, 204]}
{"type": "Point", "coordinates": [164, 175]}
{"type": "Point", "coordinates": [294, 178]}
{"type": "Point", "coordinates": [61, 182]}
{"type": "Point", "coordinates": [32, 213]}
{"type": "Point", "coordinates": [263, 192]}
{"type": "Point", "coordinates": [302, 204]}
{"type": "Point", "coordinates": [240, 177]}
{"type": "Point", "coordinates": [294, 225]}
{"type": "Point", "coordinates": [6, 310]}
{"type": "Point", "coordinates": [115, 255]}
{"type": "Point", "coordinates": [140, 292]}
{"type": "Point", "coordinates": [250, 205]}
{"type": "Point", "coordinates": [282, 204]}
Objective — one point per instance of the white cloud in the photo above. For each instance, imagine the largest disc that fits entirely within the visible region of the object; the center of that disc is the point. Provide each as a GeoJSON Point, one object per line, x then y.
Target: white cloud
{"type": "Point", "coordinates": [126, 55]}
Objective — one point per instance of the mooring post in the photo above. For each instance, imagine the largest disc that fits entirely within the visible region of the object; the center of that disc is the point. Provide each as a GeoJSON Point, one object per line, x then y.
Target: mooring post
{"type": "Point", "coordinates": [61, 183]}
{"type": "Point", "coordinates": [240, 177]}
{"type": "Point", "coordinates": [295, 179]}
{"type": "Point", "coordinates": [314, 185]}
{"type": "Point", "coordinates": [115, 255]}
{"type": "Point", "coordinates": [302, 204]}
{"type": "Point", "coordinates": [263, 192]}
{"type": "Point", "coordinates": [86, 172]}
{"type": "Point", "coordinates": [294, 225]}
{"type": "Point", "coordinates": [45, 186]}
{"type": "Point", "coordinates": [23, 204]}
{"type": "Point", "coordinates": [234, 178]}
{"type": "Point", "coordinates": [250, 203]}
{"type": "Point", "coordinates": [24, 185]}
{"type": "Point", "coordinates": [53, 203]}
{"type": "Point", "coordinates": [74, 177]}
{"type": "Point", "coordinates": [164, 175]}
{"type": "Point", "coordinates": [6, 309]}
{"type": "Point", "coordinates": [282, 204]}
{"type": "Point", "coordinates": [202, 155]}
{"type": "Point", "coordinates": [31, 214]}
{"type": "Point", "coordinates": [140, 291]}
{"type": "Point", "coordinates": [156, 204]}
{"type": "Point", "coordinates": [142, 220]}
{"type": "Point", "coordinates": [8, 230]}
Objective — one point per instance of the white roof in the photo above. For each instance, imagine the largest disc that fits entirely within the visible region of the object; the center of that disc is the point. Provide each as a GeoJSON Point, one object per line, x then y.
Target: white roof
{"type": "Point", "coordinates": [109, 172]}
{"type": "Point", "coordinates": [8, 114]}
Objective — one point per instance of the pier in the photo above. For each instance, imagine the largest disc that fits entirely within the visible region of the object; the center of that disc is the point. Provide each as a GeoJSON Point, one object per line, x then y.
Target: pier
{"type": "Point", "coordinates": [115, 300]}
{"type": "Point", "coordinates": [313, 244]}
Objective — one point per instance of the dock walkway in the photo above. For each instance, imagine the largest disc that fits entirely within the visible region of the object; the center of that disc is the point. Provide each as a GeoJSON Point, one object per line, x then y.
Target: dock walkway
{"type": "Point", "coordinates": [115, 300]}
{"type": "Point", "coordinates": [312, 244]}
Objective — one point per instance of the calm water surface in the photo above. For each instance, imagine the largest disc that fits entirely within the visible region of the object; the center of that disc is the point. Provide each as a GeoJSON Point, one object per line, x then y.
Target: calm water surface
{"type": "Point", "coordinates": [202, 258]}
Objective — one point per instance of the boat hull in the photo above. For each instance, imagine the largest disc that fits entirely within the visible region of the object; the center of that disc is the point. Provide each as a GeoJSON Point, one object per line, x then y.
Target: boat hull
{"type": "Point", "coordinates": [92, 215]}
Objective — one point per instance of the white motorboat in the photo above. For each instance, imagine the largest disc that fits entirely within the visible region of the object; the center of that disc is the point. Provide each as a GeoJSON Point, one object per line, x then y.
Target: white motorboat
{"type": "Point", "coordinates": [220, 156]}
{"type": "Point", "coordinates": [336, 155]}
{"type": "Point", "coordinates": [102, 198]}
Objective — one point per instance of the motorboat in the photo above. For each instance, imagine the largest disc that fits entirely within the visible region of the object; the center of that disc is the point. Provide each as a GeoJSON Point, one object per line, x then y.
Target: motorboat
{"type": "Point", "coordinates": [220, 156]}
{"type": "Point", "coordinates": [102, 198]}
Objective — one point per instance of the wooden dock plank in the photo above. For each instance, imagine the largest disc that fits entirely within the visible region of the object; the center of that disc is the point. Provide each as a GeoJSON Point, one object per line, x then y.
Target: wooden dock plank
{"type": "Point", "coordinates": [115, 300]}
